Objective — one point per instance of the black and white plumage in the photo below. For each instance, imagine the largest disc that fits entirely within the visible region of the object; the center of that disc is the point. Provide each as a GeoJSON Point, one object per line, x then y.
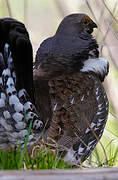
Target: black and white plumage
{"type": "Point", "coordinates": [15, 34]}
{"type": "Point", "coordinates": [16, 109]}
{"type": "Point", "coordinates": [70, 100]}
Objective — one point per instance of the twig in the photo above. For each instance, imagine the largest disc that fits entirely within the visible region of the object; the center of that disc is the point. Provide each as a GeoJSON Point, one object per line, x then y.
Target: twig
{"type": "Point", "coordinates": [109, 51]}
{"type": "Point", "coordinates": [25, 11]}
{"type": "Point", "coordinates": [108, 27]}
{"type": "Point", "coordinates": [100, 18]}
{"type": "Point", "coordinates": [9, 8]}
{"type": "Point", "coordinates": [110, 11]}
{"type": "Point", "coordinates": [63, 10]}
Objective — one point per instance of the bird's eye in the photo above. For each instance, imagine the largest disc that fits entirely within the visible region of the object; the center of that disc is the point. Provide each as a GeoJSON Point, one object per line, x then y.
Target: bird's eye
{"type": "Point", "coordinates": [86, 20]}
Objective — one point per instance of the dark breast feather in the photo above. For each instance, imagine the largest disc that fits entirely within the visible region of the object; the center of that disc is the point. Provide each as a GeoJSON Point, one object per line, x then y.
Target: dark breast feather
{"type": "Point", "coordinates": [65, 53]}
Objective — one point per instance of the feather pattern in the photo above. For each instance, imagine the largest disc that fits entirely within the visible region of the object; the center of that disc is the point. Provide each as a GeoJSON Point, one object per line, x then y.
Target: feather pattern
{"type": "Point", "coordinates": [16, 109]}
{"type": "Point", "coordinates": [79, 114]}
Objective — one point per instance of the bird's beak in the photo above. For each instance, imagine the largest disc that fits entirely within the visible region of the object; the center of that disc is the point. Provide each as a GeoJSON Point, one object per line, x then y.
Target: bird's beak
{"type": "Point", "coordinates": [93, 25]}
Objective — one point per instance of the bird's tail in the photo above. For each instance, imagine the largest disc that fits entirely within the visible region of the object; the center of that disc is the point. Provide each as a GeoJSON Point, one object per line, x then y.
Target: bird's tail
{"type": "Point", "coordinates": [17, 113]}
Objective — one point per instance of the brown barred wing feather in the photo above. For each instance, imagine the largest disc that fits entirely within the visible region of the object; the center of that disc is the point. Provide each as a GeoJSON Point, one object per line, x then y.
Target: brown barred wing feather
{"type": "Point", "coordinates": [80, 110]}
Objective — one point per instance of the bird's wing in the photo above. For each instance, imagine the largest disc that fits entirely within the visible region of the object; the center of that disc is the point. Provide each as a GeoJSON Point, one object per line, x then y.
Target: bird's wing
{"type": "Point", "coordinates": [80, 110]}
{"type": "Point", "coordinates": [18, 115]}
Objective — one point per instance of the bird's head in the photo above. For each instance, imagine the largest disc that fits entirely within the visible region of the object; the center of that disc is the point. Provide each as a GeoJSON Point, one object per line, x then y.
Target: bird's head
{"type": "Point", "coordinates": [76, 24]}
{"type": "Point", "coordinates": [69, 48]}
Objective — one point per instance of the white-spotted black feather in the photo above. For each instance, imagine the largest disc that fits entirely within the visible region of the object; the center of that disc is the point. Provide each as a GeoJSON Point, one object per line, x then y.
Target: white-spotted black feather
{"type": "Point", "coordinates": [16, 111]}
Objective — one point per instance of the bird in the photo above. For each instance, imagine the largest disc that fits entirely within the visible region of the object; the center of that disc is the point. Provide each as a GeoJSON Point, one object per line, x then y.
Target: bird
{"type": "Point", "coordinates": [69, 63]}
{"type": "Point", "coordinates": [63, 91]}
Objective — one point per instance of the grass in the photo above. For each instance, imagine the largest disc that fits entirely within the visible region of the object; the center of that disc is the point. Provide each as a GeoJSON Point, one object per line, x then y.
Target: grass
{"type": "Point", "coordinates": [106, 155]}
{"type": "Point", "coordinates": [25, 145]}
{"type": "Point", "coordinates": [41, 160]}
{"type": "Point", "coordinates": [42, 157]}
{"type": "Point", "coordinates": [95, 160]}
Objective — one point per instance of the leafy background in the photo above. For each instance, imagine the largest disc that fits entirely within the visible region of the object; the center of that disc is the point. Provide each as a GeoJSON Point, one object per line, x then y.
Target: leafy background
{"type": "Point", "coordinates": [42, 18]}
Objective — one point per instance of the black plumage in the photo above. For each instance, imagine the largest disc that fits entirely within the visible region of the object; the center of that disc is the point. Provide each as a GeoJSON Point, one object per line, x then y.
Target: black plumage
{"type": "Point", "coordinates": [15, 34]}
